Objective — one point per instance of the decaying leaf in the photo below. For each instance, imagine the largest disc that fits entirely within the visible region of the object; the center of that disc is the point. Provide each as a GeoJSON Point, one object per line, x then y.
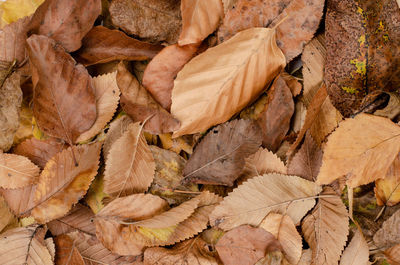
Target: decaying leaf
{"type": "Point", "coordinates": [389, 234]}
{"type": "Point", "coordinates": [393, 253]}
{"type": "Point", "coordinates": [133, 171]}
{"type": "Point", "coordinates": [254, 199]}
{"type": "Point", "coordinates": [245, 245]}
{"type": "Point", "coordinates": [219, 157]}
{"type": "Point", "coordinates": [115, 131]}
{"type": "Point", "coordinates": [364, 147]}
{"type": "Point", "coordinates": [6, 216]}
{"type": "Point", "coordinates": [357, 252]}
{"type": "Point", "coordinates": [326, 228]}
{"type": "Point", "coordinates": [64, 180]}
{"type": "Point", "coordinates": [387, 190]}
{"type": "Point", "coordinates": [154, 20]}
{"type": "Point", "coordinates": [64, 99]}
{"type": "Point", "coordinates": [66, 252]}
{"type": "Point", "coordinates": [141, 106]}
{"type": "Point", "coordinates": [233, 84]}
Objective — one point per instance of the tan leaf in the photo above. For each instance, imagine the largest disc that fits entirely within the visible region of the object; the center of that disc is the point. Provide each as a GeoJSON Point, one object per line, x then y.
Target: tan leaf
{"type": "Point", "coordinates": [389, 234]}
{"type": "Point", "coordinates": [6, 216]}
{"type": "Point", "coordinates": [12, 38]}
{"type": "Point", "coordinates": [199, 19]}
{"type": "Point", "coordinates": [140, 105]}
{"type": "Point", "coordinates": [233, 84]}
{"type": "Point", "coordinates": [393, 253]}
{"type": "Point", "coordinates": [363, 147]}
{"type": "Point", "coordinates": [183, 143]}
{"type": "Point", "coordinates": [326, 228]}
{"type": "Point", "coordinates": [116, 130]}
{"type": "Point", "coordinates": [219, 157]}
{"type": "Point", "coordinates": [357, 252]}
{"type": "Point", "coordinates": [159, 75]}
{"type": "Point", "coordinates": [245, 245]}
{"type": "Point", "coordinates": [66, 22]}
{"type": "Point", "coordinates": [25, 129]}
{"type": "Point", "coordinates": [387, 190]}
{"type": "Point", "coordinates": [133, 171]}
{"type": "Point", "coordinates": [107, 97]}
{"type": "Point", "coordinates": [284, 230]}
{"type": "Point", "coordinates": [293, 83]}
{"type": "Point", "coordinates": [49, 242]}
{"type": "Point", "coordinates": [24, 246]}
{"type": "Point", "coordinates": [17, 171]}
{"type": "Point", "coordinates": [20, 201]}
{"type": "Point", "coordinates": [67, 253]}
{"type": "Point", "coordinates": [228, 4]}
{"type": "Point", "coordinates": [64, 99]}
{"type": "Point", "coordinates": [103, 45]}
{"type": "Point", "coordinates": [65, 180]}
{"type": "Point", "coordinates": [253, 200]}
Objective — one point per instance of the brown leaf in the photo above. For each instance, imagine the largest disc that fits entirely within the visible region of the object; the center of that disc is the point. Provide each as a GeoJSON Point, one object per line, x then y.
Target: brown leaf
{"type": "Point", "coordinates": [12, 38]}
{"type": "Point", "coordinates": [141, 106]}
{"type": "Point", "coordinates": [116, 129]}
{"type": "Point", "coordinates": [66, 22]}
{"type": "Point", "coordinates": [233, 84]}
{"type": "Point", "coordinates": [6, 216]}
{"type": "Point", "coordinates": [64, 99]}
{"type": "Point", "coordinates": [133, 170]}
{"type": "Point", "coordinates": [17, 171]}
{"type": "Point", "coordinates": [245, 245]}
{"type": "Point", "coordinates": [326, 228]}
{"type": "Point", "coordinates": [275, 258]}
{"type": "Point", "coordinates": [192, 251]}
{"type": "Point", "coordinates": [154, 20]}
{"type": "Point", "coordinates": [64, 180]}
{"type": "Point", "coordinates": [301, 15]}
{"type": "Point", "coordinates": [387, 190]}
{"type": "Point", "coordinates": [389, 234]}
{"type": "Point", "coordinates": [159, 75]}
{"type": "Point", "coordinates": [353, 30]}
{"type": "Point", "coordinates": [67, 253]}
{"type": "Point", "coordinates": [393, 253]}
{"type": "Point", "coordinates": [102, 45]}
{"type": "Point", "coordinates": [364, 147]}
{"type": "Point", "coordinates": [200, 18]}
{"type": "Point", "coordinates": [357, 252]}
{"type": "Point", "coordinates": [20, 201]}
{"type": "Point", "coordinates": [293, 83]}
{"type": "Point", "coordinates": [219, 157]}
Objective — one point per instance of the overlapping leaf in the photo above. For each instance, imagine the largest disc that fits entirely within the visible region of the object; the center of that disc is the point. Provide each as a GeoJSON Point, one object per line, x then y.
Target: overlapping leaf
{"type": "Point", "coordinates": [17, 171]}
{"type": "Point", "coordinates": [387, 190]}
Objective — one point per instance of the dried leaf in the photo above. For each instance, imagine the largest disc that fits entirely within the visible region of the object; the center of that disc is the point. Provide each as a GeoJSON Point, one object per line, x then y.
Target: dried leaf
{"type": "Point", "coordinates": [326, 228]}
{"type": "Point", "coordinates": [392, 108]}
{"type": "Point", "coordinates": [116, 130]}
{"type": "Point", "coordinates": [183, 143]}
{"type": "Point", "coordinates": [219, 158]}
{"type": "Point", "coordinates": [254, 199]}
{"type": "Point", "coordinates": [66, 22]}
{"type": "Point", "coordinates": [199, 19]}
{"type": "Point", "coordinates": [107, 97]}
{"type": "Point", "coordinates": [159, 75]}
{"type": "Point", "coordinates": [154, 20]}
{"type": "Point", "coordinates": [25, 129]}
{"type": "Point", "coordinates": [357, 252]}
{"type": "Point", "coordinates": [6, 216]}
{"type": "Point", "coordinates": [364, 147]}
{"type": "Point", "coordinates": [393, 253]}
{"type": "Point", "coordinates": [17, 171]}
{"type": "Point", "coordinates": [274, 258]}
{"type": "Point", "coordinates": [20, 201]}
{"type": "Point", "coordinates": [65, 180]}
{"type": "Point", "coordinates": [95, 195]}
{"type": "Point", "coordinates": [389, 234]}
{"type": "Point", "coordinates": [67, 253]}
{"type": "Point", "coordinates": [133, 171]}
{"type": "Point", "coordinates": [245, 245]}
{"type": "Point", "coordinates": [387, 190]}
{"type": "Point", "coordinates": [12, 10]}
{"type": "Point", "coordinates": [64, 99]}
{"type": "Point", "coordinates": [233, 84]}
{"type": "Point", "coordinates": [140, 105]}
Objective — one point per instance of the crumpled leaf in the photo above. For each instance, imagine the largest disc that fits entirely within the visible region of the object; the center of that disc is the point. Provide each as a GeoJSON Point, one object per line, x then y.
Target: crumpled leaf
{"type": "Point", "coordinates": [254, 199]}
{"type": "Point", "coordinates": [64, 99]}
{"type": "Point", "coordinates": [102, 45]}
{"type": "Point", "coordinates": [245, 245]}
{"type": "Point", "coordinates": [12, 10]}
{"type": "Point", "coordinates": [66, 21]}
{"type": "Point", "coordinates": [326, 228]}
{"type": "Point", "coordinates": [219, 157]}
{"type": "Point", "coordinates": [154, 20]}
{"type": "Point", "coordinates": [133, 170]}
{"type": "Point", "coordinates": [115, 131]}
{"type": "Point", "coordinates": [233, 83]}
{"type": "Point", "coordinates": [140, 106]}
{"type": "Point", "coordinates": [364, 147]}
{"type": "Point", "coordinates": [200, 18]}
{"type": "Point", "coordinates": [389, 234]}
{"type": "Point", "coordinates": [357, 252]}
{"type": "Point", "coordinates": [64, 180]}
{"type": "Point", "coordinates": [67, 253]}
{"type": "Point", "coordinates": [6, 217]}
{"type": "Point", "coordinates": [393, 253]}
{"type": "Point", "coordinates": [17, 171]}
{"type": "Point", "coordinates": [387, 190]}
{"type": "Point", "coordinates": [365, 57]}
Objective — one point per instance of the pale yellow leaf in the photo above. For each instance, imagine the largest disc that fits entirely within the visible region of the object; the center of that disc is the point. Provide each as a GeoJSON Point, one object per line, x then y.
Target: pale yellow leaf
{"type": "Point", "coordinates": [95, 195]}
{"type": "Point", "coordinates": [16, 9]}
{"type": "Point", "coordinates": [357, 252]}
{"type": "Point", "coordinates": [387, 190]}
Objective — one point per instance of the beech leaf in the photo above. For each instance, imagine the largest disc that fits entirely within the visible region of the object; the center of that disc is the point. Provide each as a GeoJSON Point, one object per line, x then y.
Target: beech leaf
{"type": "Point", "coordinates": [357, 252]}
{"type": "Point", "coordinates": [20, 201]}
{"type": "Point", "coordinates": [12, 38]}
{"type": "Point", "coordinates": [115, 131]}
{"type": "Point", "coordinates": [387, 190]}
{"type": "Point", "coordinates": [6, 216]}
{"type": "Point", "coordinates": [389, 234]}
{"type": "Point", "coordinates": [67, 253]}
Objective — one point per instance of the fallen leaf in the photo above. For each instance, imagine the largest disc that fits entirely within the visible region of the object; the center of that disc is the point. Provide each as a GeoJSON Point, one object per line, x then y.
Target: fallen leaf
{"type": "Point", "coordinates": [115, 131]}
{"type": "Point", "coordinates": [306, 257]}
{"type": "Point", "coordinates": [219, 157]}
{"type": "Point", "coordinates": [133, 171]}
{"type": "Point", "coordinates": [159, 75]}
{"type": "Point", "coordinates": [154, 20]}
{"type": "Point", "coordinates": [357, 252]}
{"type": "Point", "coordinates": [15, 9]}
{"type": "Point", "coordinates": [392, 108]}
{"type": "Point", "coordinates": [183, 143]}
{"type": "Point", "coordinates": [13, 37]}
{"type": "Point", "coordinates": [66, 22]}
{"type": "Point", "coordinates": [64, 99]}
{"type": "Point", "coordinates": [64, 180]}
{"type": "Point", "coordinates": [95, 195]}
{"type": "Point", "coordinates": [364, 147]}
{"type": "Point", "coordinates": [354, 70]}
{"type": "Point", "coordinates": [389, 234]}
{"type": "Point", "coordinates": [254, 199]}
{"type": "Point", "coordinates": [103, 45]}
{"type": "Point", "coordinates": [20, 201]}
{"type": "Point", "coordinates": [67, 253]}
{"type": "Point", "coordinates": [199, 19]}
{"type": "Point", "coordinates": [284, 230]}
{"type": "Point", "coordinates": [6, 217]}
{"type": "Point", "coordinates": [228, 4]}
{"type": "Point", "coordinates": [233, 84]}
{"type": "Point", "coordinates": [17, 171]}
{"type": "Point", "coordinates": [25, 129]}
{"type": "Point", "coordinates": [245, 245]}
{"type": "Point", "coordinates": [273, 258]}
{"type": "Point", "coordinates": [387, 190]}
{"type": "Point", "coordinates": [326, 228]}
{"type": "Point", "coordinates": [140, 105]}
{"type": "Point", "coordinates": [292, 82]}
{"type": "Point", "coordinates": [393, 253]}
{"type": "Point", "coordinates": [107, 97]}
